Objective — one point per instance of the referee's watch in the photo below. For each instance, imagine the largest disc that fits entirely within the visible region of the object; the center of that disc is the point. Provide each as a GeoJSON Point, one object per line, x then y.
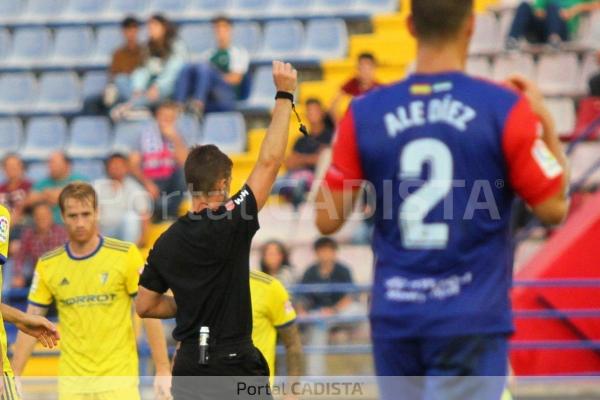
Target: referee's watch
{"type": "Point", "coordinates": [285, 95]}
{"type": "Point", "coordinates": [290, 96]}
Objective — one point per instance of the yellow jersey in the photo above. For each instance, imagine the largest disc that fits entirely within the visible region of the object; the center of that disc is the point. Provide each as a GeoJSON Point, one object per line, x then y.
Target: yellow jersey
{"type": "Point", "coordinates": [271, 310]}
{"type": "Point", "coordinates": [93, 296]}
{"type": "Point", "coordinates": [4, 239]}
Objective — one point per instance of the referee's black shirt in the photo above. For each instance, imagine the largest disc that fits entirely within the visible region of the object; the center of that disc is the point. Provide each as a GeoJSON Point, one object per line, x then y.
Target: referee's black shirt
{"type": "Point", "coordinates": [204, 259]}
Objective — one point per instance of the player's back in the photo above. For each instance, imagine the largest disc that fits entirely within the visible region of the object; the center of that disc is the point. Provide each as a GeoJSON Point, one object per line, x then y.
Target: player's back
{"type": "Point", "coordinates": [439, 151]}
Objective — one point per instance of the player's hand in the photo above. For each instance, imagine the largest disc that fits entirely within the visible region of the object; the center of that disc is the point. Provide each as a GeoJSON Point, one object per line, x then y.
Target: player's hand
{"type": "Point", "coordinates": [153, 190]}
{"type": "Point", "coordinates": [285, 77]}
{"type": "Point", "coordinates": [153, 94]}
{"type": "Point", "coordinates": [162, 385]}
{"type": "Point", "coordinates": [531, 91]}
{"type": "Point", "coordinates": [40, 328]}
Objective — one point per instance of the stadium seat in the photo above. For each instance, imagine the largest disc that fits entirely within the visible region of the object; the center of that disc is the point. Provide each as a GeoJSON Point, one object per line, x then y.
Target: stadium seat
{"type": "Point", "coordinates": [486, 38]}
{"type": "Point", "coordinates": [5, 45]}
{"type": "Point", "coordinates": [108, 39]}
{"type": "Point", "coordinates": [189, 127]}
{"type": "Point", "coordinates": [591, 37]}
{"type": "Point", "coordinates": [119, 8]}
{"type": "Point", "coordinates": [226, 130]}
{"type": "Point", "coordinates": [207, 8]}
{"type": "Point", "coordinates": [293, 8]}
{"type": "Point", "coordinates": [44, 136]}
{"type": "Point", "coordinates": [563, 110]}
{"type": "Point", "coordinates": [376, 6]}
{"type": "Point", "coordinates": [43, 11]}
{"type": "Point", "coordinates": [92, 170]}
{"type": "Point", "coordinates": [479, 67]}
{"type": "Point", "coordinates": [508, 64]}
{"type": "Point", "coordinates": [283, 39]}
{"type": "Point", "coordinates": [582, 159]}
{"type": "Point", "coordinates": [31, 47]}
{"type": "Point", "coordinates": [172, 8]}
{"type": "Point", "coordinates": [11, 10]}
{"type": "Point", "coordinates": [72, 46]}
{"type": "Point", "coordinates": [588, 69]}
{"type": "Point", "coordinates": [326, 38]}
{"type": "Point", "coordinates": [60, 92]}
{"type": "Point", "coordinates": [248, 35]}
{"type": "Point", "coordinates": [84, 10]}
{"type": "Point", "coordinates": [90, 137]}
{"type": "Point", "coordinates": [262, 89]}
{"type": "Point", "coordinates": [12, 135]}
{"type": "Point", "coordinates": [18, 91]}
{"type": "Point", "coordinates": [198, 38]}
{"type": "Point", "coordinates": [127, 135]}
{"type": "Point", "coordinates": [335, 7]}
{"type": "Point", "coordinates": [93, 84]}
{"type": "Point", "coordinates": [557, 74]}
{"type": "Point", "coordinates": [36, 171]}
{"type": "Point", "coordinates": [251, 8]}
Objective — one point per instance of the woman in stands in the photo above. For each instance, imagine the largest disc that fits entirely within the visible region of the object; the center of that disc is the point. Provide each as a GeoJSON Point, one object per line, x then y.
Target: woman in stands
{"type": "Point", "coordinates": [274, 261]}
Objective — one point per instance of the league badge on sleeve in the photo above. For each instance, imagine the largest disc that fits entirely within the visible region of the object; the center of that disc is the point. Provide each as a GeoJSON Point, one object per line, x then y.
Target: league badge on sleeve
{"type": "Point", "coordinates": [4, 229]}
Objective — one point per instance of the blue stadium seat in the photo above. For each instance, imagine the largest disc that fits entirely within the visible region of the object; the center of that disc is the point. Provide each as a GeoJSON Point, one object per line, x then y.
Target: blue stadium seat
{"type": "Point", "coordinates": [252, 8]}
{"type": "Point", "coordinates": [189, 127]}
{"type": "Point", "coordinates": [119, 8]}
{"type": "Point", "coordinates": [261, 91]}
{"type": "Point", "coordinates": [326, 38]}
{"type": "Point", "coordinates": [90, 137]}
{"type": "Point", "coordinates": [84, 10]}
{"type": "Point", "coordinates": [372, 7]}
{"type": "Point", "coordinates": [283, 39]}
{"type": "Point", "coordinates": [226, 130]}
{"type": "Point", "coordinates": [11, 10]}
{"type": "Point", "coordinates": [293, 8]}
{"type": "Point", "coordinates": [60, 92]}
{"type": "Point", "coordinates": [36, 171]}
{"type": "Point", "coordinates": [108, 39]}
{"type": "Point", "coordinates": [31, 46]}
{"type": "Point", "coordinates": [91, 170]}
{"type": "Point", "coordinates": [93, 84]}
{"type": "Point", "coordinates": [44, 135]}
{"type": "Point", "coordinates": [43, 11]}
{"type": "Point", "coordinates": [248, 35]}
{"type": "Point", "coordinates": [127, 135]}
{"type": "Point", "coordinates": [198, 38]}
{"type": "Point", "coordinates": [18, 91]}
{"type": "Point", "coordinates": [11, 135]}
{"type": "Point", "coordinates": [5, 45]}
{"type": "Point", "coordinates": [172, 8]}
{"type": "Point", "coordinates": [73, 46]}
{"type": "Point", "coordinates": [335, 7]}
{"type": "Point", "coordinates": [208, 8]}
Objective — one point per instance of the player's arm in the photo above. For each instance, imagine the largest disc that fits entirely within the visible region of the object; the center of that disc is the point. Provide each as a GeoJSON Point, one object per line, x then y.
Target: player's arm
{"type": "Point", "coordinates": [25, 343]}
{"type": "Point", "coordinates": [272, 151]}
{"type": "Point", "coordinates": [160, 356]}
{"type": "Point", "coordinates": [151, 304]}
{"type": "Point", "coordinates": [550, 207]}
{"type": "Point", "coordinates": [294, 356]}
{"type": "Point", "coordinates": [342, 187]}
{"type": "Point", "coordinates": [33, 325]}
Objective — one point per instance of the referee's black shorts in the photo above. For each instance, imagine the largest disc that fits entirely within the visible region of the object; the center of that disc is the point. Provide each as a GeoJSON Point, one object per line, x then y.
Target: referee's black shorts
{"type": "Point", "coordinates": [236, 370]}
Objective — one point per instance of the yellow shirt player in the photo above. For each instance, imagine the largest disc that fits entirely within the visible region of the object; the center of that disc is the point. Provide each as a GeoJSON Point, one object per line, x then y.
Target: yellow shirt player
{"type": "Point", "coordinates": [92, 281]}
{"type": "Point", "coordinates": [273, 314]}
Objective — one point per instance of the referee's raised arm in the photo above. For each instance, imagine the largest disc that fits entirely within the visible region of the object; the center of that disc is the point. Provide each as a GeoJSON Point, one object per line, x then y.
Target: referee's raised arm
{"type": "Point", "coordinates": [272, 151]}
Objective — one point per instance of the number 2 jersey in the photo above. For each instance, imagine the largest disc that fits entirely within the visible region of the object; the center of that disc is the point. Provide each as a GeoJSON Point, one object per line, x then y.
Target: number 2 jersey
{"type": "Point", "coordinates": [445, 155]}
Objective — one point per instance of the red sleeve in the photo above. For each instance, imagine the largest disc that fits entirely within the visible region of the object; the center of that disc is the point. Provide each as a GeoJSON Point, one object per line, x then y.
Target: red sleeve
{"type": "Point", "coordinates": [345, 164]}
{"type": "Point", "coordinates": [350, 87]}
{"type": "Point", "coordinates": [534, 172]}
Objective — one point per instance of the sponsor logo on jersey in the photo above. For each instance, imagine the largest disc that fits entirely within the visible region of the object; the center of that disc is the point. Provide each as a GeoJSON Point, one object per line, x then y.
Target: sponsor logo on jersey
{"type": "Point", "coordinates": [89, 299]}
{"type": "Point", "coordinates": [4, 229]}
{"type": "Point", "coordinates": [64, 282]}
{"type": "Point", "coordinates": [546, 160]}
{"type": "Point", "coordinates": [289, 308]}
{"type": "Point", "coordinates": [240, 199]}
{"type": "Point", "coordinates": [103, 278]}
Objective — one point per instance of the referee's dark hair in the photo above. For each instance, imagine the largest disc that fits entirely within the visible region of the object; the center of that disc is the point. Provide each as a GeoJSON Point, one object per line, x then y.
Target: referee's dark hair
{"type": "Point", "coordinates": [439, 20]}
{"type": "Point", "coordinates": [204, 167]}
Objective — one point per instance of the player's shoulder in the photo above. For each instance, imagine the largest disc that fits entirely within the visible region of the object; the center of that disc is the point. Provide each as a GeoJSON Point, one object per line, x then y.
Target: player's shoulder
{"type": "Point", "coordinates": [488, 86]}
{"type": "Point", "coordinates": [53, 255]}
{"type": "Point", "coordinates": [4, 213]}
{"type": "Point", "coordinates": [261, 277]}
{"type": "Point", "coordinates": [112, 244]}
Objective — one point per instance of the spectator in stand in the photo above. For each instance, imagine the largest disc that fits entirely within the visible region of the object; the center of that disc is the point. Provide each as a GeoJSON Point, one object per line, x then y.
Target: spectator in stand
{"type": "Point", "coordinates": [154, 81]}
{"type": "Point", "coordinates": [305, 155]}
{"type": "Point", "coordinates": [595, 81]}
{"type": "Point", "coordinates": [214, 84]}
{"type": "Point", "coordinates": [43, 236]}
{"type": "Point", "coordinates": [14, 192]}
{"type": "Point", "coordinates": [158, 162]}
{"type": "Point", "coordinates": [548, 21]}
{"type": "Point", "coordinates": [47, 190]}
{"type": "Point", "coordinates": [362, 83]}
{"type": "Point", "coordinates": [125, 61]}
{"type": "Point", "coordinates": [123, 204]}
{"type": "Point", "coordinates": [274, 261]}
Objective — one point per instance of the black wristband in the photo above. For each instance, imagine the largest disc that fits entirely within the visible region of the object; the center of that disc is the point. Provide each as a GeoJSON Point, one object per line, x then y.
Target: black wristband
{"type": "Point", "coordinates": [284, 95]}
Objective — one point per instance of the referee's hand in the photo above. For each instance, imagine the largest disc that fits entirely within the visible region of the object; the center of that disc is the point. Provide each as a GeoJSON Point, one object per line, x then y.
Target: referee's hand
{"type": "Point", "coordinates": [285, 77]}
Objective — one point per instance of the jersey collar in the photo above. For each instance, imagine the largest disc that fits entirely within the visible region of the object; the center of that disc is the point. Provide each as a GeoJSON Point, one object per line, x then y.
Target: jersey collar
{"type": "Point", "coordinates": [92, 254]}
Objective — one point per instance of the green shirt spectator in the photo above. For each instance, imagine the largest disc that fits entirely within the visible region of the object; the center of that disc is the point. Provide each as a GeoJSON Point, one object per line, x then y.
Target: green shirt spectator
{"type": "Point", "coordinates": [571, 10]}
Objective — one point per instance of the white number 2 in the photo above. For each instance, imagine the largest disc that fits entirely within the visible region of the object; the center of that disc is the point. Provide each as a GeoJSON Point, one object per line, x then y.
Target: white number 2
{"type": "Point", "coordinates": [416, 234]}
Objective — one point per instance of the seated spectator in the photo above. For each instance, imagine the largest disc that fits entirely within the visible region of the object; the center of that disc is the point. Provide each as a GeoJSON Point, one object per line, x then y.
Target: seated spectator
{"type": "Point", "coordinates": [548, 21]}
{"type": "Point", "coordinates": [158, 162]}
{"type": "Point", "coordinates": [214, 84]}
{"type": "Point", "coordinates": [125, 61]}
{"type": "Point", "coordinates": [362, 83]}
{"type": "Point", "coordinates": [274, 261]}
{"type": "Point", "coordinates": [154, 81]}
{"type": "Point", "coordinates": [595, 81]}
{"type": "Point", "coordinates": [13, 194]}
{"type": "Point", "coordinates": [44, 236]}
{"type": "Point", "coordinates": [47, 190]}
{"type": "Point", "coordinates": [305, 155]}
{"type": "Point", "coordinates": [123, 204]}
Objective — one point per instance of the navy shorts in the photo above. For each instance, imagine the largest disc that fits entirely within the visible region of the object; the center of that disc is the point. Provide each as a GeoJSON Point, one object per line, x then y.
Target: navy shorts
{"type": "Point", "coordinates": [457, 367]}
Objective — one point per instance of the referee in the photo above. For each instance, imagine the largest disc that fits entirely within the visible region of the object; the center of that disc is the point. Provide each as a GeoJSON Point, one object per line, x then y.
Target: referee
{"type": "Point", "coordinates": [204, 260]}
